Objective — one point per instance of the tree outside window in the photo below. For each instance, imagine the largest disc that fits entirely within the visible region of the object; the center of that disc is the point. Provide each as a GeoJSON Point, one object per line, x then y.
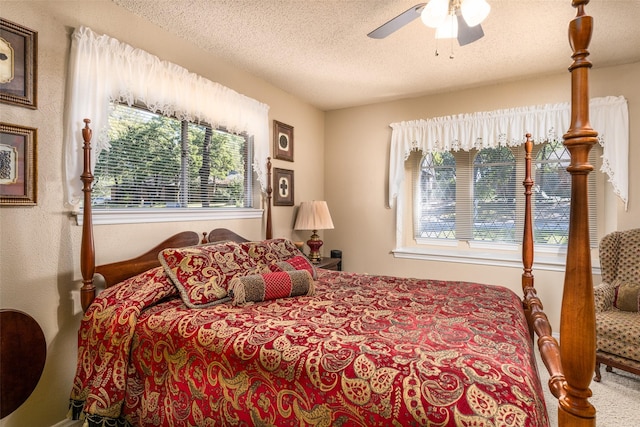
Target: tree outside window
{"type": "Point", "coordinates": [162, 162]}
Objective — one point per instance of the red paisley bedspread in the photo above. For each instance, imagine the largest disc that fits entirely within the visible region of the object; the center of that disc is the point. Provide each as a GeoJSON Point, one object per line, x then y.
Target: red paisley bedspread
{"type": "Point", "coordinates": [364, 351]}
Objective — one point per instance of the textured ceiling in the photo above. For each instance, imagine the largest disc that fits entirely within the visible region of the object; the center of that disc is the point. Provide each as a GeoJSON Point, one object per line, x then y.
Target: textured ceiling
{"type": "Point", "coordinates": [318, 50]}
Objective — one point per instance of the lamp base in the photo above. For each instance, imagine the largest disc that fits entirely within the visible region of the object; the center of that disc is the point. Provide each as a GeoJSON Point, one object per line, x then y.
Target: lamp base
{"type": "Point", "coordinates": [314, 244]}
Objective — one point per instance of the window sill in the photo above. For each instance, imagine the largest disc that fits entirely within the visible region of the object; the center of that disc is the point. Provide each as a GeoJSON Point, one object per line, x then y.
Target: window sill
{"type": "Point", "coordinates": [139, 216]}
{"type": "Point", "coordinates": [543, 259]}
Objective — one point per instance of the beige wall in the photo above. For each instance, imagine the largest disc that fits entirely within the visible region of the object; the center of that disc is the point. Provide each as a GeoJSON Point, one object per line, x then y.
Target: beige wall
{"type": "Point", "coordinates": [357, 152]}
{"type": "Point", "coordinates": [39, 266]}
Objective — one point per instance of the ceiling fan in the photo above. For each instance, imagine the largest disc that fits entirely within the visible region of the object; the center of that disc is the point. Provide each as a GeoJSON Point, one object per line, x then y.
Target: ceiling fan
{"type": "Point", "coordinates": [451, 18]}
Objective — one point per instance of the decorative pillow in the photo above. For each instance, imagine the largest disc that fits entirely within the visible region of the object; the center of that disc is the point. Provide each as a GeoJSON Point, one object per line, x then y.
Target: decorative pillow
{"type": "Point", "coordinates": [627, 297]}
{"type": "Point", "coordinates": [298, 262]}
{"type": "Point", "coordinates": [262, 287]}
{"type": "Point", "coordinates": [202, 273]}
{"type": "Point", "coordinates": [268, 252]}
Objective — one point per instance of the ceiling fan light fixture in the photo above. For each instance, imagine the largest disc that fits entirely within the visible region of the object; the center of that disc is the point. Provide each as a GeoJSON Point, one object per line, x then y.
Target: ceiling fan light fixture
{"type": "Point", "coordinates": [474, 11]}
{"type": "Point", "coordinates": [451, 18]}
{"type": "Point", "coordinates": [435, 13]}
{"type": "Point", "coordinates": [448, 29]}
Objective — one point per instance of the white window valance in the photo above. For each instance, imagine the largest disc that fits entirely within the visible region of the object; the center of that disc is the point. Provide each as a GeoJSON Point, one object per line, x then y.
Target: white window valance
{"type": "Point", "coordinates": [103, 69]}
{"type": "Point", "coordinates": [609, 117]}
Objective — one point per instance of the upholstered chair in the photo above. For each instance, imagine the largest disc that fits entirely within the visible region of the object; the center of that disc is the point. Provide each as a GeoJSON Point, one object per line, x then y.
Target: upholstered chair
{"type": "Point", "coordinates": [617, 301]}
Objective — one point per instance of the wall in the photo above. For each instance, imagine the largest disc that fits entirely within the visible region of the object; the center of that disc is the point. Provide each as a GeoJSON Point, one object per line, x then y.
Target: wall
{"type": "Point", "coordinates": [39, 266]}
{"type": "Point", "coordinates": [357, 151]}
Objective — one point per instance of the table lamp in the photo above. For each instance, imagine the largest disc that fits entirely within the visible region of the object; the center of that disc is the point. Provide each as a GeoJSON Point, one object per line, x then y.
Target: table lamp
{"type": "Point", "coordinates": [314, 216]}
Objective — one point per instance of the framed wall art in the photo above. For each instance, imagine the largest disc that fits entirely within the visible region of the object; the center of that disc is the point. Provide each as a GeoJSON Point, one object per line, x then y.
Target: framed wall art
{"type": "Point", "coordinates": [18, 174]}
{"type": "Point", "coordinates": [282, 141]}
{"type": "Point", "coordinates": [18, 64]}
{"type": "Point", "coordinates": [283, 184]}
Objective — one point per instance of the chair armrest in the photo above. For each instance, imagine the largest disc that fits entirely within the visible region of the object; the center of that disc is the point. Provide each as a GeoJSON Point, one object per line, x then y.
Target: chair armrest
{"type": "Point", "coordinates": [604, 295]}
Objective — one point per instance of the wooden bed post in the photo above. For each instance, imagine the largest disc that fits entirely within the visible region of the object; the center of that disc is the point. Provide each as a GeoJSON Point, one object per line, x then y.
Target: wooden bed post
{"type": "Point", "coordinates": [533, 308]}
{"type": "Point", "coordinates": [577, 321]}
{"type": "Point", "coordinates": [269, 232]}
{"type": "Point", "coordinates": [87, 248]}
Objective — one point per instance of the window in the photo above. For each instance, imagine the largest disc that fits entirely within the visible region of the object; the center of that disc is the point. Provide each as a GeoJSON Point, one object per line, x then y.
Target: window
{"type": "Point", "coordinates": [161, 162]}
{"type": "Point", "coordinates": [437, 194]}
{"type": "Point", "coordinates": [552, 194]}
{"type": "Point", "coordinates": [477, 196]}
{"type": "Point", "coordinates": [128, 78]}
{"type": "Point", "coordinates": [494, 195]}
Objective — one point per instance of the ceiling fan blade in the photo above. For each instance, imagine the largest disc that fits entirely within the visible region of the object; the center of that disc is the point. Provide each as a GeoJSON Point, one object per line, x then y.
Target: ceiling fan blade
{"type": "Point", "coordinates": [467, 34]}
{"type": "Point", "coordinates": [396, 23]}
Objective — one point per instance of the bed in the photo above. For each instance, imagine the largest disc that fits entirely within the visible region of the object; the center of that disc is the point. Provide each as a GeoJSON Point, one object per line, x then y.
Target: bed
{"type": "Point", "coordinates": [275, 341]}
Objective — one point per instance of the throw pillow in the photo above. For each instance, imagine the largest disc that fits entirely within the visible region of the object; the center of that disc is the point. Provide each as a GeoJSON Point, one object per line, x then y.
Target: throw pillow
{"type": "Point", "coordinates": [262, 287]}
{"type": "Point", "coordinates": [267, 252]}
{"type": "Point", "coordinates": [627, 297]}
{"type": "Point", "coordinates": [298, 262]}
{"type": "Point", "coordinates": [202, 273]}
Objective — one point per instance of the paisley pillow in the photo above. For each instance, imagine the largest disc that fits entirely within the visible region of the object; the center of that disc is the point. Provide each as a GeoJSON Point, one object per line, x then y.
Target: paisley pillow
{"type": "Point", "coordinates": [268, 252]}
{"type": "Point", "coordinates": [262, 287]}
{"type": "Point", "coordinates": [202, 273]}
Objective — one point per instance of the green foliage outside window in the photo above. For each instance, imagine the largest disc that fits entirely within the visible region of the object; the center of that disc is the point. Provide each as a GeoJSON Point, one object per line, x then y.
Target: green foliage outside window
{"type": "Point", "coordinates": [149, 164]}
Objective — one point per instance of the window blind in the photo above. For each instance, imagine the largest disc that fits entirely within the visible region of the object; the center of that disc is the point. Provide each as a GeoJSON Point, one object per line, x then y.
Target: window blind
{"type": "Point", "coordinates": [155, 161]}
{"type": "Point", "coordinates": [477, 195]}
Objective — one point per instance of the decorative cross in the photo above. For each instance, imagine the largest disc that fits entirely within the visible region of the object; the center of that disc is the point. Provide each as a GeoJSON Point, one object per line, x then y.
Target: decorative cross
{"type": "Point", "coordinates": [283, 187]}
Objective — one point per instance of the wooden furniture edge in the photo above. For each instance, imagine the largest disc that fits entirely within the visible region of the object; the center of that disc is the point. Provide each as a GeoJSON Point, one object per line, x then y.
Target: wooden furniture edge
{"type": "Point", "coordinates": [577, 313]}
{"type": "Point", "coordinates": [87, 248]}
{"type": "Point", "coordinates": [328, 263]}
{"type": "Point", "coordinates": [116, 272]}
{"type": "Point", "coordinates": [537, 319]}
{"type": "Point", "coordinates": [614, 361]}
{"type": "Point", "coordinates": [23, 353]}
{"type": "Point", "coordinates": [224, 235]}
{"type": "Point", "coordinates": [571, 364]}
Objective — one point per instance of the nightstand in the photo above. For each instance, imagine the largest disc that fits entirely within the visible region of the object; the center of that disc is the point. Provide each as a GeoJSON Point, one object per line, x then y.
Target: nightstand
{"type": "Point", "coordinates": [328, 263]}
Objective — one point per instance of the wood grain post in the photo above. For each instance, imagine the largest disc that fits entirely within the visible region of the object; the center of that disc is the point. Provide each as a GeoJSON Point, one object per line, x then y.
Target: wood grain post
{"type": "Point", "coordinates": [577, 321]}
{"type": "Point", "coordinates": [87, 248]}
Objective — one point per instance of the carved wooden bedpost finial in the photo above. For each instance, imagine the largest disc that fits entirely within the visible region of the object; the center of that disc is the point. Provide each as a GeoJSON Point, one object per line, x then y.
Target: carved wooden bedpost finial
{"type": "Point", "coordinates": [269, 232]}
{"type": "Point", "coordinates": [534, 310]}
{"type": "Point", "coordinates": [578, 348]}
{"type": "Point", "coordinates": [528, 289]}
{"type": "Point", "coordinates": [87, 249]}
{"type": "Point", "coordinates": [527, 247]}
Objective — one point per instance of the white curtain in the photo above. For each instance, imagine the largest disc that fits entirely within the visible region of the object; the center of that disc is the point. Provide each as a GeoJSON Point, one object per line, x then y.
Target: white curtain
{"type": "Point", "coordinates": [609, 117]}
{"type": "Point", "coordinates": [102, 69]}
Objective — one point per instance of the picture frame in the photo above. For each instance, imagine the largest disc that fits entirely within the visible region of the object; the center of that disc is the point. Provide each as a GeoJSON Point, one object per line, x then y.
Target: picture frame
{"type": "Point", "coordinates": [283, 185]}
{"type": "Point", "coordinates": [18, 165]}
{"type": "Point", "coordinates": [18, 64]}
{"type": "Point", "coordinates": [282, 141]}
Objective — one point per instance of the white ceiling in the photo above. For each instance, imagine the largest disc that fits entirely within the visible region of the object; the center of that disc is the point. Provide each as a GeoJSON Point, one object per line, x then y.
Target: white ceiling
{"type": "Point", "coordinates": [318, 50]}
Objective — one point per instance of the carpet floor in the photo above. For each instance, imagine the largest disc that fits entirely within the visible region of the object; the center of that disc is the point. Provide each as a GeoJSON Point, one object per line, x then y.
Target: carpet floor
{"type": "Point", "coordinates": [616, 398]}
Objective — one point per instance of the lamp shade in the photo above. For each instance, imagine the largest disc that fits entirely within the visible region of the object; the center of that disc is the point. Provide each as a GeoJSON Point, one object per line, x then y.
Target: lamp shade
{"type": "Point", "coordinates": [449, 28]}
{"type": "Point", "coordinates": [313, 215]}
{"type": "Point", "coordinates": [434, 13]}
{"type": "Point", "coordinates": [474, 11]}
